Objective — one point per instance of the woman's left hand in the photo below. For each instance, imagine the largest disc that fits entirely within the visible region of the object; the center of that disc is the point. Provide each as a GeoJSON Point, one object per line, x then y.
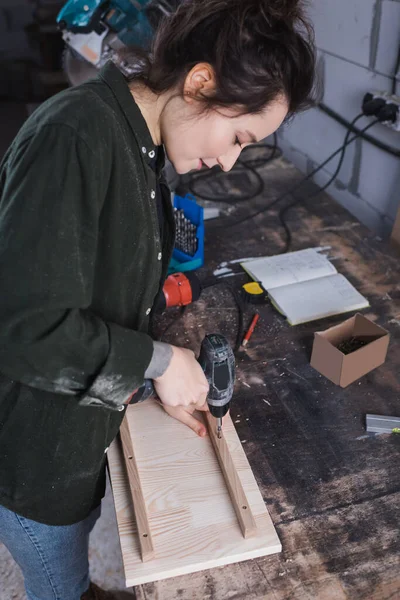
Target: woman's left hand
{"type": "Point", "coordinates": [184, 414]}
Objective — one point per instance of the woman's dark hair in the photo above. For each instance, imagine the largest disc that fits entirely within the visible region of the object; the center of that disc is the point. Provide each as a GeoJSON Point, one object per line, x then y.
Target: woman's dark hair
{"type": "Point", "coordinates": [259, 50]}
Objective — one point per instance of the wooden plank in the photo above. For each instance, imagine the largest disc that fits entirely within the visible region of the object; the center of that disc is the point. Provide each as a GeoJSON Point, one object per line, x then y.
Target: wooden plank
{"type": "Point", "coordinates": [135, 488]}
{"type": "Point", "coordinates": [235, 488]}
{"type": "Point", "coordinates": [193, 523]}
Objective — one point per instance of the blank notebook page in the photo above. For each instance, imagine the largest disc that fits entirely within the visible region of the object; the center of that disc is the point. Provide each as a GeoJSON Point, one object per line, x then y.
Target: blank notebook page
{"type": "Point", "coordinates": [318, 298]}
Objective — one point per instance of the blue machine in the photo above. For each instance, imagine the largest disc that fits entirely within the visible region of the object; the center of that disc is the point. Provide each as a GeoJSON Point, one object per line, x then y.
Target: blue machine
{"type": "Point", "coordinates": [124, 17]}
{"type": "Point", "coordinates": [96, 30]}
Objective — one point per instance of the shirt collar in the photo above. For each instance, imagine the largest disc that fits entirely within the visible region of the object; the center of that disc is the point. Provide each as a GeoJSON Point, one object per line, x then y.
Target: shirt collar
{"type": "Point", "coordinates": [115, 80]}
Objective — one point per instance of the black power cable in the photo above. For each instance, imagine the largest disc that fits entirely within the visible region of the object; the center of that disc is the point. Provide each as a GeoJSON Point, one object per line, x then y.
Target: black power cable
{"type": "Point", "coordinates": [253, 165]}
{"type": "Point", "coordinates": [366, 137]}
{"type": "Point", "coordinates": [284, 210]}
{"type": "Point", "coordinates": [296, 187]}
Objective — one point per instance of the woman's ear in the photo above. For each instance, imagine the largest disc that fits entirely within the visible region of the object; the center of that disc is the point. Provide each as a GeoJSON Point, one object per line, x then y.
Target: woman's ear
{"type": "Point", "coordinates": [200, 81]}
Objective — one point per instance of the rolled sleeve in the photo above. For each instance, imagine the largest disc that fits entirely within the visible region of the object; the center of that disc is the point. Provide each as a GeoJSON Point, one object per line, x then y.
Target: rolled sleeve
{"type": "Point", "coordinates": [118, 379]}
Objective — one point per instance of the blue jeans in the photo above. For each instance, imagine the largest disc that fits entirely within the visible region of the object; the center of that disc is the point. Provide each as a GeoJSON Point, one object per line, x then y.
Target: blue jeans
{"type": "Point", "coordinates": [53, 559]}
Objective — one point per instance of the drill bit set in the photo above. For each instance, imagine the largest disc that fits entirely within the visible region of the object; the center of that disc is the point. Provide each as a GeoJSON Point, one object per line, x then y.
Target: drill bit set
{"type": "Point", "coordinates": [188, 254]}
{"type": "Point", "coordinates": [186, 233]}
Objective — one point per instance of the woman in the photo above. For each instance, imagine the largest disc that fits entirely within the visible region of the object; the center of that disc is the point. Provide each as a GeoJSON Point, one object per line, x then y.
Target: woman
{"type": "Point", "coordinates": [86, 238]}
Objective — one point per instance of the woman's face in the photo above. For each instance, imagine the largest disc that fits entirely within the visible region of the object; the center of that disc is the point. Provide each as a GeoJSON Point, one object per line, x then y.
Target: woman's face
{"type": "Point", "coordinates": [214, 137]}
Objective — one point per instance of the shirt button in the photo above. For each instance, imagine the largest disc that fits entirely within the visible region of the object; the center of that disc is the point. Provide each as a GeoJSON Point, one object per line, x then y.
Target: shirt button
{"type": "Point", "coordinates": [152, 154]}
{"type": "Point", "coordinates": [144, 150]}
{"type": "Point", "coordinates": [159, 256]}
{"type": "Point", "coordinates": [153, 194]}
{"type": "Point", "coordinates": [121, 408]}
{"type": "Point", "coordinates": [148, 311]}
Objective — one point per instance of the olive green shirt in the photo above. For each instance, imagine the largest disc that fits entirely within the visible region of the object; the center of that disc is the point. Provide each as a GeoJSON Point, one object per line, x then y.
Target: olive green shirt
{"type": "Point", "coordinates": [81, 264]}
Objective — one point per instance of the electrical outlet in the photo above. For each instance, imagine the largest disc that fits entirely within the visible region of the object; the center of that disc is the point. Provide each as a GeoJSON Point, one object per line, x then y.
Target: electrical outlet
{"type": "Point", "coordinates": [390, 99]}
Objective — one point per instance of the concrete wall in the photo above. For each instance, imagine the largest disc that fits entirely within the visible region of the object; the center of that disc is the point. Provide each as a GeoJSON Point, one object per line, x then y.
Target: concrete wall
{"type": "Point", "coordinates": [358, 42]}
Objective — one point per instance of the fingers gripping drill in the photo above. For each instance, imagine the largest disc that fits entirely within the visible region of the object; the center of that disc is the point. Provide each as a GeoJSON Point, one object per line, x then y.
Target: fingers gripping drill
{"type": "Point", "coordinates": [218, 363]}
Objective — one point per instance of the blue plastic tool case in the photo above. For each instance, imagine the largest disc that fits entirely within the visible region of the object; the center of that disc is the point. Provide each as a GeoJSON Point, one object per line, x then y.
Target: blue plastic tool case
{"type": "Point", "coordinates": [180, 261]}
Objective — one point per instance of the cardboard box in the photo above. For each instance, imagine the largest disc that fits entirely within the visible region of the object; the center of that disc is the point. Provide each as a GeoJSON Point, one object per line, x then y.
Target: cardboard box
{"type": "Point", "coordinates": [342, 368]}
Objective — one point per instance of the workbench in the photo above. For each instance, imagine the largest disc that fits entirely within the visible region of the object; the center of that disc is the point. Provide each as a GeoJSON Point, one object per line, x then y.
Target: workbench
{"type": "Point", "coordinates": [333, 491]}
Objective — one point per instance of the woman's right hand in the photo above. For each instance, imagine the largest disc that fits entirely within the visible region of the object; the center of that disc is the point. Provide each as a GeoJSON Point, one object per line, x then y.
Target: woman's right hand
{"type": "Point", "coordinates": [184, 382]}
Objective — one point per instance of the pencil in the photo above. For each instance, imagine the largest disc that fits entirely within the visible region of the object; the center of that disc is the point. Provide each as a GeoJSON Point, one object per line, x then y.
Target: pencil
{"type": "Point", "coordinates": [250, 329]}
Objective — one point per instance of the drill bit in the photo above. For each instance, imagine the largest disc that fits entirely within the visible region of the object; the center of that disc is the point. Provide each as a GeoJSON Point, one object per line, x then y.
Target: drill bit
{"type": "Point", "coordinates": [219, 428]}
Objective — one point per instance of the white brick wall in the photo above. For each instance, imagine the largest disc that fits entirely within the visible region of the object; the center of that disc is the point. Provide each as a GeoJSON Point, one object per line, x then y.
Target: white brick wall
{"type": "Point", "coordinates": [320, 136]}
{"type": "Point", "coordinates": [343, 27]}
{"type": "Point", "coordinates": [356, 205]}
{"type": "Point", "coordinates": [345, 87]}
{"type": "Point", "coordinates": [380, 180]}
{"type": "Point", "coordinates": [358, 42]}
{"type": "Point", "coordinates": [346, 84]}
{"type": "Point", "coordinates": [389, 31]}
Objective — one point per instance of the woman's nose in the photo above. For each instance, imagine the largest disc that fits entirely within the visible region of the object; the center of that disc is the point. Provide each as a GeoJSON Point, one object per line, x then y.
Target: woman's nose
{"type": "Point", "coordinates": [227, 161]}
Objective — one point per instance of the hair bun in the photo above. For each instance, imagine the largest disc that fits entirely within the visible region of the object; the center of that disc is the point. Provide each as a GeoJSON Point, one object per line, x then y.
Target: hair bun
{"type": "Point", "coordinates": [286, 9]}
{"type": "Point", "coordinates": [278, 10]}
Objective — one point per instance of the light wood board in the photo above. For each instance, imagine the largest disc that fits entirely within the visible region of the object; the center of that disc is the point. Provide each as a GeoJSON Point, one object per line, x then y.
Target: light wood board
{"type": "Point", "coordinates": [192, 520]}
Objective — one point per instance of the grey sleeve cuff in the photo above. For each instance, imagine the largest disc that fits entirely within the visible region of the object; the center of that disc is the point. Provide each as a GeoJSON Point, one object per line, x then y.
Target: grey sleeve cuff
{"type": "Point", "coordinates": [162, 354]}
{"type": "Point", "coordinates": [124, 370]}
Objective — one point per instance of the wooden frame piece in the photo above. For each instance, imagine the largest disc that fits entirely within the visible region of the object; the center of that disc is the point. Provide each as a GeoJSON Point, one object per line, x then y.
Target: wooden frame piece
{"type": "Point", "coordinates": [239, 501]}
{"type": "Point", "coordinates": [139, 505]}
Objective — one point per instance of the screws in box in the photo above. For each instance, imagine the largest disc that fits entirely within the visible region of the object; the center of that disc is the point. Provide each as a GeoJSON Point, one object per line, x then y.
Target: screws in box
{"type": "Point", "coordinates": [186, 233]}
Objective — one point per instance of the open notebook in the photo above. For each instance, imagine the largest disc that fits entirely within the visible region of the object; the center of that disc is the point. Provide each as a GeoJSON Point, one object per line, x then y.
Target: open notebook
{"type": "Point", "coordinates": [304, 285]}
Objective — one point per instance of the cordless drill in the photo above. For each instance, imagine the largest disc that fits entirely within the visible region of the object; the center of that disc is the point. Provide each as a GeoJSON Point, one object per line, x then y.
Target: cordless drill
{"type": "Point", "coordinates": [218, 363]}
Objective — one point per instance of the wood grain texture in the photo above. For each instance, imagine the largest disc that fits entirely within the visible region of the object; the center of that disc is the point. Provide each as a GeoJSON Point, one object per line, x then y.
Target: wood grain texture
{"type": "Point", "coordinates": [192, 520]}
{"type": "Point", "coordinates": [135, 488]}
{"type": "Point", "coordinates": [240, 504]}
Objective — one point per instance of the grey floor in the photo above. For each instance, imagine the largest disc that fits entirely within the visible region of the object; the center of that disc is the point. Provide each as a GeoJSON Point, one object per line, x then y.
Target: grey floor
{"type": "Point", "coordinates": [104, 558]}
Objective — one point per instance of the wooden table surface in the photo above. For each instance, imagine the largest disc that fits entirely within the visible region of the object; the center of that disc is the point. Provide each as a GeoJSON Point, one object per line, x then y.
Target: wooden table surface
{"type": "Point", "coordinates": [332, 490]}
